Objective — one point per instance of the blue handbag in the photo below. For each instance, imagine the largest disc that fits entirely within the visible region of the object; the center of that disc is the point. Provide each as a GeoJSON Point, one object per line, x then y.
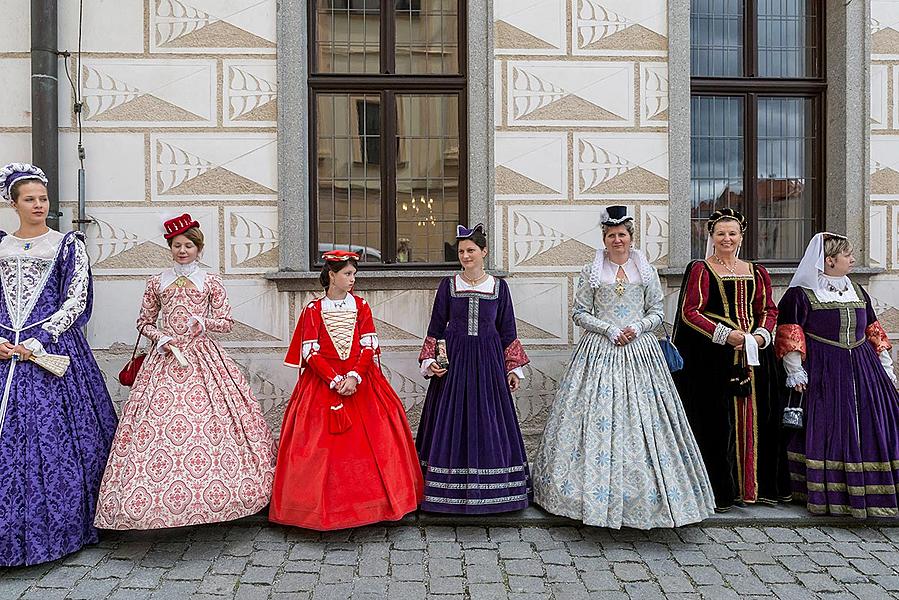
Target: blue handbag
{"type": "Point", "coordinates": [671, 353]}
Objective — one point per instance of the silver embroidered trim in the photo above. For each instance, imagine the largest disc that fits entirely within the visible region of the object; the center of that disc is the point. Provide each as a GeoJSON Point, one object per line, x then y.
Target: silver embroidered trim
{"type": "Point", "coordinates": [476, 486]}
{"type": "Point", "coordinates": [721, 333]}
{"type": "Point", "coordinates": [473, 471]}
{"type": "Point", "coordinates": [500, 500]}
{"type": "Point", "coordinates": [474, 309]}
{"type": "Point", "coordinates": [24, 279]}
{"type": "Point", "coordinates": [474, 304]}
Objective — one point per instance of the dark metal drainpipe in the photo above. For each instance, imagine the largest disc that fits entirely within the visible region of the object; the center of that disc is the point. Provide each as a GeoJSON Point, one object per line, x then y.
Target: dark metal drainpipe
{"type": "Point", "coordinates": [45, 99]}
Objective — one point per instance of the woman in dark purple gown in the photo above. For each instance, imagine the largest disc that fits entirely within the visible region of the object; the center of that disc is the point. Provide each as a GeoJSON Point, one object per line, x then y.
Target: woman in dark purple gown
{"type": "Point", "coordinates": [469, 441]}
{"type": "Point", "coordinates": [55, 429]}
{"type": "Point", "coordinates": [845, 460]}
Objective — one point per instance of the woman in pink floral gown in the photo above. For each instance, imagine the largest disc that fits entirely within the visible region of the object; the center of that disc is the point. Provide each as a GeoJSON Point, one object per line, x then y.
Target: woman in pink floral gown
{"type": "Point", "coordinates": [192, 445]}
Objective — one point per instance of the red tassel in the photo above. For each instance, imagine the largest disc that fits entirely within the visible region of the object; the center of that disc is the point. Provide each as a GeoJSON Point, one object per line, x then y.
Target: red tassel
{"type": "Point", "coordinates": [339, 421]}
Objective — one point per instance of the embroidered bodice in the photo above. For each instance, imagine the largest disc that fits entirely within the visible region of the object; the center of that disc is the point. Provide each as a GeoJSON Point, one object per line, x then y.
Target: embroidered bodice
{"type": "Point", "coordinates": [610, 307]}
{"type": "Point", "coordinates": [26, 268]}
{"type": "Point", "coordinates": [177, 308]}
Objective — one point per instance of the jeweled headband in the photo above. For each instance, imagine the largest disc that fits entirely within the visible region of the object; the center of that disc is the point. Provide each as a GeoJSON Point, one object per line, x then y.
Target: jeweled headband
{"type": "Point", "coordinates": [726, 214]}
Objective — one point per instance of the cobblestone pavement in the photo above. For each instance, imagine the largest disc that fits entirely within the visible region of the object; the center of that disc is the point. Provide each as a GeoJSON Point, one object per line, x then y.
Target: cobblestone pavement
{"type": "Point", "coordinates": [410, 562]}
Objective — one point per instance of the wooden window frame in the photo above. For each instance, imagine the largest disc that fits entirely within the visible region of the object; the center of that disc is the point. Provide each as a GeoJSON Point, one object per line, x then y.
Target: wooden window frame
{"type": "Point", "coordinates": [387, 84]}
{"type": "Point", "coordinates": [750, 86]}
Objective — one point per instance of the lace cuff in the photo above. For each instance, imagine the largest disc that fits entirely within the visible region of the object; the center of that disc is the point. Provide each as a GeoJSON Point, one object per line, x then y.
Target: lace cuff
{"type": "Point", "coordinates": [356, 375]}
{"type": "Point", "coordinates": [721, 333]}
{"type": "Point", "coordinates": [765, 335]}
{"type": "Point", "coordinates": [336, 381]}
{"type": "Point", "coordinates": [800, 377]}
{"type": "Point", "coordinates": [35, 346]}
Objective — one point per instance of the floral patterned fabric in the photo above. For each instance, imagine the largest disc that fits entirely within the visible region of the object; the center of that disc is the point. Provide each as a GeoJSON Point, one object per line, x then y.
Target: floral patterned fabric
{"type": "Point", "coordinates": [617, 450]}
{"type": "Point", "coordinates": [57, 430]}
{"type": "Point", "coordinates": [193, 446]}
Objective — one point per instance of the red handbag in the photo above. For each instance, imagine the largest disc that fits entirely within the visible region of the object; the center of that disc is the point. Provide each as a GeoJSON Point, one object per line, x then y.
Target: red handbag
{"type": "Point", "coordinates": [129, 373]}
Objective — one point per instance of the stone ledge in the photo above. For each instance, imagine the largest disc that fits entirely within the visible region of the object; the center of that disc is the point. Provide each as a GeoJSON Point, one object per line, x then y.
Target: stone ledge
{"type": "Point", "coordinates": [786, 515]}
{"type": "Point", "coordinates": [368, 279]}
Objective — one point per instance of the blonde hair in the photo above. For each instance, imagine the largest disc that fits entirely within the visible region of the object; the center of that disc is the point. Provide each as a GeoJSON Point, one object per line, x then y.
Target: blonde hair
{"type": "Point", "coordinates": [835, 245]}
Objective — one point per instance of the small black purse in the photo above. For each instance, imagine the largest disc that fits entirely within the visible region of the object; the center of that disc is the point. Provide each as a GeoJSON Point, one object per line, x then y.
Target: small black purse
{"type": "Point", "coordinates": [794, 416]}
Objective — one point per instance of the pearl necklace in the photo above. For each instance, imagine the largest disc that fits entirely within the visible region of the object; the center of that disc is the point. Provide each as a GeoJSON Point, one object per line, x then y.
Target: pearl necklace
{"type": "Point", "coordinates": [473, 282]}
{"type": "Point", "coordinates": [733, 270]}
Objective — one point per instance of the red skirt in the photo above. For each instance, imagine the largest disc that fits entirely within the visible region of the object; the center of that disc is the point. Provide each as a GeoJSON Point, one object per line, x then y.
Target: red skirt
{"type": "Point", "coordinates": [368, 473]}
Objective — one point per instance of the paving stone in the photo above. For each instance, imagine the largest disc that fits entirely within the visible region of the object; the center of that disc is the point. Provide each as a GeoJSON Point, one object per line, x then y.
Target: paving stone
{"type": "Point", "coordinates": [630, 572]}
{"type": "Point", "coordinates": [296, 582]}
{"type": "Point", "coordinates": [444, 567]}
{"type": "Point", "coordinates": [13, 588]}
{"type": "Point", "coordinates": [63, 577]}
{"type": "Point", "coordinates": [336, 573]}
{"type": "Point", "coordinates": [746, 585]}
{"type": "Point", "coordinates": [847, 575]}
{"type": "Point", "coordinates": [504, 534]}
{"type": "Point", "coordinates": [480, 557]}
{"type": "Point", "coordinates": [561, 574]}
{"type": "Point", "coordinates": [306, 551]}
{"type": "Point", "coordinates": [515, 550]}
{"type": "Point", "coordinates": [221, 585]}
{"type": "Point", "coordinates": [565, 534]}
{"type": "Point", "coordinates": [143, 577]}
{"type": "Point", "coordinates": [445, 549]}
{"type": "Point", "coordinates": [526, 584]}
{"type": "Point", "coordinates": [705, 575]}
{"type": "Point", "coordinates": [643, 590]}
{"type": "Point", "coordinates": [717, 592]}
{"type": "Point", "coordinates": [189, 570]}
{"type": "Point", "coordinates": [405, 590]}
{"type": "Point", "coordinates": [528, 566]}
{"type": "Point", "coordinates": [483, 574]}
{"type": "Point", "coordinates": [408, 572]}
{"type": "Point", "coordinates": [339, 591]}
{"type": "Point", "coordinates": [600, 581]}
{"type": "Point", "coordinates": [112, 568]}
{"type": "Point", "coordinates": [447, 585]}
{"type": "Point", "coordinates": [871, 566]}
{"type": "Point", "coordinates": [259, 575]}
{"type": "Point", "coordinates": [773, 574]}
{"type": "Point", "coordinates": [673, 584]}
{"type": "Point", "coordinates": [555, 557]}
{"type": "Point", "coordinates": [867, 591]}
{"type": "Point", "coordinates": [487, 591]}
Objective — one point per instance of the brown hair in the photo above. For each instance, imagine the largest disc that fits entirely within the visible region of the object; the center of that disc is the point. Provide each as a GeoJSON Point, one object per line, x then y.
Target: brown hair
{"type": "Point", "coordinates": [336, 267]}
{"type": "Point", "coordinates": [193, 234]}
{"type": "Point", "coordinates": [628, 225]}
{"type": "Point", "coordinates": [14, 190]}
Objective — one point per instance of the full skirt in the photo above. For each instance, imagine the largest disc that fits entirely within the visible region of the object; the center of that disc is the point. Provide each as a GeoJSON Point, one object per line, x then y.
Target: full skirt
{"type": "Point", "coordinates": [846, 459]}
{"type": "Point", "coordinates": [192, 446]}
{"type": "Point", "coordinates": [366, 474]}
{"type": "Point", "coordinates": [618, 450]}
{"type": "Point", "coordinates": [53, 447]}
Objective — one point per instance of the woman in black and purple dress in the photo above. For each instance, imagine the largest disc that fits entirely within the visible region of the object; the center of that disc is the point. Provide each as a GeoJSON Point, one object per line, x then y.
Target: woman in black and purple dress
{"type": "Point", "coordinates": [845, 461]}
{"type": "Point", "coordinates": [469, 440]}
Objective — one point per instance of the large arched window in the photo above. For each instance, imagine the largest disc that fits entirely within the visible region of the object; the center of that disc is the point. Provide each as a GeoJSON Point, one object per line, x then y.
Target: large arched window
{"type": "Point", "coordinates": [757, 85]}
{"type": "Point", "coordinates": [388, 128]}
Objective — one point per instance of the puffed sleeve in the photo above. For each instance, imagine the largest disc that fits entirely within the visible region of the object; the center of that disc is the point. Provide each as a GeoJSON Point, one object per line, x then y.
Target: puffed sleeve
{"type": "Point", "coordinates": [149, 313]}
{"type": "Point", "coordinates": [583, 314]}
{"type": "Point", "coordinates": [218, 314]}
{"type": "Point", "coordinates": [437, 326]}
{"type": "Point", "coordinates": [693, 306]}
{"type": "Point", "coordinates": [513, 351]}
{"type": "Point", "coordinates": [789, 340]}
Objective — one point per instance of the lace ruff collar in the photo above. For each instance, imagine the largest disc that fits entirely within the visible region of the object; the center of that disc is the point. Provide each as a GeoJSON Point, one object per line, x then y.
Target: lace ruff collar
{"type": "Point", "coordinates": [192, 271]}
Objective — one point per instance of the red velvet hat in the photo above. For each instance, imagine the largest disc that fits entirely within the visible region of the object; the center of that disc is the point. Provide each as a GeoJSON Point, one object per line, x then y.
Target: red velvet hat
{"type": "Point", "coordinates": [339, 256]}
{"type": "Point", "coordinates": [179, 225]}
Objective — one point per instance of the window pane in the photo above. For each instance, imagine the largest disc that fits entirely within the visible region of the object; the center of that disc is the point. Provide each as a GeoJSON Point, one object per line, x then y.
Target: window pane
{"type": "Point", "coordinates": [427, 37]}
{"type": "Point", "coordinates": [716, 161]}
{"type": "Point", "coordinates": [716, 35]}
{"type": "Point", "coordinates": [786, 176]}
{"type": "Point", "coordinates": [787, 34]}
{"type": "Point", "coordinates": [348, 174]}
{"type": "Point", "coordinates": [348, 36]}
{"type": "Point", "coordinates": [427, 177]}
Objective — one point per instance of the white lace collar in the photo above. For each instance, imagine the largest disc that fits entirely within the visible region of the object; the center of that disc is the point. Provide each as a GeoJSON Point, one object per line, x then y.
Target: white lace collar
{"type": "Point", "coordinates": [835, 289]}
{"type": "Point", "coordinates": [347, 304]}
{"type": "Point", "coordinates": [192, 271]}
{"type": "Point", "coordinates": [44, 246]}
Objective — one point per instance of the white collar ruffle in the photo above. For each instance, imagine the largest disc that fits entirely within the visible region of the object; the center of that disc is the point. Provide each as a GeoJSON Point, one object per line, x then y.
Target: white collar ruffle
{"type": "Point", "coordinates": [192, 271]}
{"type": "Point", "coordinates": [487, 286]}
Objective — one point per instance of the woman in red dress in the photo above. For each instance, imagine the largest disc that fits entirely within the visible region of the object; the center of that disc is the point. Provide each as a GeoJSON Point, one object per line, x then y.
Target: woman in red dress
{"type": "Point", "coordinates": [346, 457]}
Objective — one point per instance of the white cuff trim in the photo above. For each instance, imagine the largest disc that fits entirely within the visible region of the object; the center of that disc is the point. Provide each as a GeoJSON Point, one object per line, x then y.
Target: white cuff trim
{"type": "Point", "coordinates": [519, 372]}
{"type": "Point", "coordinates": [196, 319]}
{"type": "Point", "coordinates": [162, 342]}
{"type": "Point", "coordinates": [309, 348]}
{"type": "Point", "coordinates": [356, 375]}
{"type": "Point", "coordinates": [765, 335]}
{"type": "Point", "coordinates": [369, 340]}
{"type": "Point", "coordinates": [425, 371]}
{"type": "Point", "coordinates": [800, 377]}
{"type": "Point", "coordinates": [612, 333]}
{"type": "Point", "coordinates": [336, 381]}
{"type": "Point", "coordinates": [35, 346]}
{"type": "Point", "coordinates": [721, 333]}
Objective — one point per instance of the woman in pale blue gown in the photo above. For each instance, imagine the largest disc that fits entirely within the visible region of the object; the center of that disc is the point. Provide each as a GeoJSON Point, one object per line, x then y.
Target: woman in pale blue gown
{"type": "Point", "coordinates": [617, 450]}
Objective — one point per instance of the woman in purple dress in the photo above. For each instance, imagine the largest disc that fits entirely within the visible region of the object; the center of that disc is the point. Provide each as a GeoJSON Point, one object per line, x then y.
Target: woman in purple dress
{"type": "Point", "coordinates": [468, 440]}
{"type": "Point", "coordinates": [845, 460]}
{"type": "Point", "coordinates": [55, 428]}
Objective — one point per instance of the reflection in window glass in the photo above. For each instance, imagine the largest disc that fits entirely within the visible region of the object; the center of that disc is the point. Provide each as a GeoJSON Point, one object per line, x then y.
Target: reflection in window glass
{"type": "Point", "coordinates": [427, 177]}
{"type": "Point", "coordinates": [427, 40]}
{"type": "Point", "coordinates": [348, 36]}
{"type": "Point", "coordinates": [716, 161]}
{"type": "Point", "coordinates": [348, 175]}
{"type": "Point", "coordinates": [716, 37]}
{"type": "Point", "coordinates": [787, 38]}
{"type": "Point", "coordinates": [786, 182]}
